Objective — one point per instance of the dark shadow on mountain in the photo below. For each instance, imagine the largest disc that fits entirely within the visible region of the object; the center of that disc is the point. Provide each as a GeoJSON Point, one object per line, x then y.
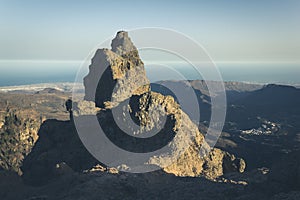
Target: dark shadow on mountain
{"type": "Point", "coordinates": [273, 99]}
{"type": "Point", "coordinates": [135, 144]}
{"type": "Point", "coordinates": [283, 179]}
{"type": "Point", "coordinates": [275, 104]}
{"type": "Point", "coordinates": [105, 88]}
{"type": "Point", "coordinates": [58, 143]}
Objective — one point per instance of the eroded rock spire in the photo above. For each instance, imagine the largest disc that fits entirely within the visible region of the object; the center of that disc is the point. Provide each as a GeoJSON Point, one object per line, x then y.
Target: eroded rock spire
{"type": "Point", "coordinates": [117, 74]}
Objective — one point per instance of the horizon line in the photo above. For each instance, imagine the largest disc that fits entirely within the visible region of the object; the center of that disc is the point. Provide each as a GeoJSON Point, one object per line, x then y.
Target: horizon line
{"type": "Point", "coordinates": [160, 61]}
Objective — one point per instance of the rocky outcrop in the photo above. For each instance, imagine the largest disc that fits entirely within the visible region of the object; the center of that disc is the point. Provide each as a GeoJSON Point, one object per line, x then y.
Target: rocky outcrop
{"type": "Point", "coordinates": [117, 74]}
{"type": "Point", "coordinates": [21, 116]}
{"type": "Point", "coordinates": [18, 134]}
{"type": "Point", "coordinates": [124, 88]}
{"type": "Point", "coordinates": [122, 77]}
{"type": "Point", "coordinates": [215, 164]}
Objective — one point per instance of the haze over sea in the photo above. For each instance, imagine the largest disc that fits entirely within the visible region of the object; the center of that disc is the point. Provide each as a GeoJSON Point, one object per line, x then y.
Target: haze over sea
{"type": "Point", "coordinates": [20, 72]}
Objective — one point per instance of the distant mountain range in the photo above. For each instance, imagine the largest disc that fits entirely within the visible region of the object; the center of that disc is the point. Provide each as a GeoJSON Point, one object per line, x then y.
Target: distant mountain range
{"type": "Point", "coordinates": [69, 86]}
{"type": "Point", "coordinates": [33, 88]}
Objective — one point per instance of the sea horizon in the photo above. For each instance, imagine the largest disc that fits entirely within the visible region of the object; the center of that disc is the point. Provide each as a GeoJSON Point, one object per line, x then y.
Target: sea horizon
{"type": "Point", "coordinates": [18, 73]}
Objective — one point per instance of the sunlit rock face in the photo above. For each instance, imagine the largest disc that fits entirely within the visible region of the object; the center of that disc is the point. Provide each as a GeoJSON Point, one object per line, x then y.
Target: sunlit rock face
{"type": "Point", "coordinates": [118, 74]}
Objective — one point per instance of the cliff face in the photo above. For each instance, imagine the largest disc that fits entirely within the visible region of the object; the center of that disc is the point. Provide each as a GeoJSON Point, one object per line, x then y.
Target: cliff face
{"type": "Point", "coordinates": [18, 133]}
{"type": "Point", "coordinates": [21, 116]}
{"type": "Point", "coordinates": [117, 75]}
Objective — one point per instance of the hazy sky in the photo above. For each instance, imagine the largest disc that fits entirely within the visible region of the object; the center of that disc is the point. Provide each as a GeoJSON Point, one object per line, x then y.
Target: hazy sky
{"type": "Point", "coordinates": [231, 30]}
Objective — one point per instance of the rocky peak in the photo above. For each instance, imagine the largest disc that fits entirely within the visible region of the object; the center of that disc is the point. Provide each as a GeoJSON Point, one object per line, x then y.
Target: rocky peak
{"type": "Point", "coordinates": [117, 74]}
{"type": "Point", "coordinates": [124, 78]}
{"type": "Point", "coordinates": [122, 44]}
{"type": "Point", "coordinates": [114, 79]}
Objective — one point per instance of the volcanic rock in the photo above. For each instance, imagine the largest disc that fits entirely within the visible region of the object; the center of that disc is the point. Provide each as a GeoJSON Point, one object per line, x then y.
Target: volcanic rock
{"type": "Point", "coordinates": [117, 81]}
{"type": "Point", "coordinates": [117, 74]}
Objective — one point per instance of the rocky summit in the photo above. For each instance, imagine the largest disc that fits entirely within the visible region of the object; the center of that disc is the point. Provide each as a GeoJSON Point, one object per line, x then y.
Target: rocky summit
{"type": "Point", "coordinates": [116, 74]}
{"type": "Point", "coordinates": [117, 81]}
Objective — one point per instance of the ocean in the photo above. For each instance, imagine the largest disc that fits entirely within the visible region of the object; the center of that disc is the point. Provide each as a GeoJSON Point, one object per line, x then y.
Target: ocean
{"type": "Point", "coordinates": [13, 73]}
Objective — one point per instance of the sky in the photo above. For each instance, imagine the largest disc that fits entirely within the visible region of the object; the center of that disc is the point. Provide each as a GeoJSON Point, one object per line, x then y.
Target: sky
{"type": "Point", "coordinates": [231, 30]}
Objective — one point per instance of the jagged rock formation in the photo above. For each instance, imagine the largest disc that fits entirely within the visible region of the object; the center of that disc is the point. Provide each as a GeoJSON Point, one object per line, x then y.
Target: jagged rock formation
{"type": "Point", "coordinates": [18, 134]}
{"type": "Point", "coordinates": [123, 79]}
{"type": "Point", "coordinates": [59, 150]}
{"type": "Point", "coordinates": [121, 74]}
{"type": "Point", "coordinates": [85, 108]}
{"type": "Point", "coordinates": [215, 164]}
{"type": "Point", "coordinates": [21, 116]}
